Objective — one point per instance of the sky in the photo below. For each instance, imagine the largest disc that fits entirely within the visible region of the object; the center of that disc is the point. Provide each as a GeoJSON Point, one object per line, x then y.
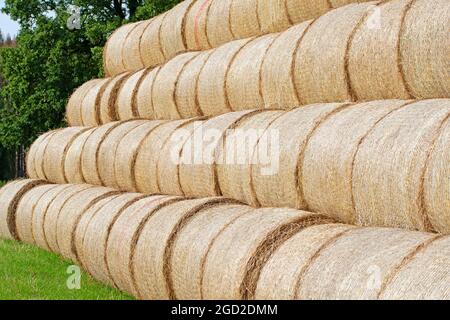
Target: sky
{"type": "Point", "coordinates": [6, 24]}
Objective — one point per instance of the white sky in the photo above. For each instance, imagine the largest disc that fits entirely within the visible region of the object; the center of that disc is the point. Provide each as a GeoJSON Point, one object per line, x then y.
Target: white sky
{"type": "Point", "coordinates": [6, 24]}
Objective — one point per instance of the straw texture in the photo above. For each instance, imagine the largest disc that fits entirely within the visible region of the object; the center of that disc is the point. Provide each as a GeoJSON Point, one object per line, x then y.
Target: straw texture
{"type": "Point", "coordinates": [277, 70]}
{"type": "Point", "coordinates": [257, 235]}
{"type": "Point", "coordinates": [126, 102]}
{"type": "Point", "coordinates": [144, 103]}
{"type": "Point", "coordinates": [211, 91]}
{"type": "Point", "coordinates": [197, 168]}
{"type": "Point", "coordinates": [237, 153]}
{"type": "Point", "coordinates": [321, 57]}
{"type": "Point", "coordinates": [132, 59]}
{"type": "Point", "coordinates": [150, 48]}
{"type": "Point", "coordinates": [218, 26]}
{"type": "Point", "coordinates": [70, 215]}
{"type": "Point", "coordinates": [195, 28]}
{"type": "Point", "coordinates": [425, 48]}
{"type": "Point", "coordinates": [126, 154]}
{"type": "Point", "coordinates": [10, 195]}
{"type": "Point", "coordinates": [25, 211]}
{"type": "Point", "coordinates": [74, 106]}
{"type": "Point", "coordinates": [244, 18]}
{"type": "Point", "coordinates": [146, 165]}
{"type": "Point", "coordinates": [153, 247]}
{"type": "Point", "coordinates": [107, 151]}
{"type": "Point", "coordinates": [40, 212]}
{"type": "Point", "coordinates": [32, 154]}
{"type": "Point", "coordinates": [283, 188]}
{"type": "Point", "coordinates": [108, 111]}
{"type": "Point", "coordinates": [54, 157]}
{"type": "Point", "coordinates": [436, 186]}
{"type": "Point", "coordinates": [243, 82]}
{"type": "Point", "coordinates": [192, 245]}
{"type": "Point", "coordinates": [90, 106]}
{"type": "Point", "coordinates": [374, 56]}
{"type": "Point", "coordinates": [327, 165]}
{"type": "Point", "coordinates": [406, 138]}
{"type": "Point", "coordinates": [90, 153]}
{"type": "Point", "coordinates": [72, 165]}
{"type": "Point", "coordinates": [97, 233]}
{"type": "Point", "coordinates": [164, 87]}
{"type": "Point", "coordinates": [124, 236]}
{"type": "Point", "coordinates": [186, 87]}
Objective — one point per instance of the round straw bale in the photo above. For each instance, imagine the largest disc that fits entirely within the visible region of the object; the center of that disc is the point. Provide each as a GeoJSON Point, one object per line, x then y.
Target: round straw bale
{"type": "Point", "coordinates": [131, 53]}
{"type": "Point", "coordinates": [425, 276]}
{"type": "Point", "coordinates": [235, 156]}
{"type": "Point", "coordinates": [198, 177]}
{"type": "Point", "coordinates": [164, 87]}
{"type": "Point", "coordinates": [243, 81]}
{"type": "Point", "coordinates": [145, 169]}
{"type": "Point", "coordinates": [299, 11]}
{"type": "Point", "coordinates": [154, 247]}
{"type": "Point", "coordinates": [218, 26]}
{"type": "Point", "coordinates": [56, 151]}
{"type": "Point", "coordinates": [436, 185]}
{"type": "Point", "coordinates": [425, 48]}
{"type": "Point", "coordinates": [195, 28]}
{"type": "Point", "coordinates": [97, 233]}
{"type": "Point", "coordinates": [123, 238]}
{"type": "Point", "coordinates": [150, 47]}
{"type": "Point", "coordinates": [70, 215]}
{"type": "Point", "coordinates": [273, 16]}
{"type": "Point", "coordinates": [72, 165]}
{"type": "Point", "coordinates": [40, 152]}
{"type": "Point", "coordinates": [90, 107]}
{"type": "Point", "coordinates": [40, 211]}
{"type": "Point", "coordinates": [390, 164]}
{"type": "Point", "coordinates": [127, 152]}
{"type": "Point", "coordinates": [107, 151]}
{"type": "Point", "coordinates": [277, 82]}
{"type": "Point", "coordinates": [144, 104]}
{"type": "Point", "coordinates": [329, 156]}
{"type": "Point", "coordinates": [126, 99]}
{"type": "Point", "coordinates": [212, 97]}
{"type": "Point", "coordinates": [291, 257]}
{"type": "Point", "coordinates": [244, 19]}
{"type": "Point", "coordinates": [320, 62]}
{"type": "Point", "coordinates": [172, 36]}
{"type": "Point", "coordinates": [294, 128]}
{"type": "Point", "coordinates": [25, 212]}
{"type": "Point", "coordinates": [89, 155]}
{"type": "Point", "coordinates": [356, 264]}
{"type": "Point", "coordinates": [39, 143]}
{"type": "Point", "coordinates": [373, 59]}
{"type": "Point", "coordinates": [256, 235]}
{"type": "Point", "coordinates": [167, 168]}
{"type": "Point", "coordinates": [108, 112]}
{"type": "Point", "coordinates": [191, 247]}
{"type": "Point", "coordinates": [10, 195]}
{"type": "Point", "coordinates": [74, 106]}
{"type": "Point", "coordinates": [51, 215]}
{"type": "Point", "coordinates": [113, 52]}
{"type": "Point", "coordinates": [186, 98]}
{"type": "Point", "coordinates": [83, 223]}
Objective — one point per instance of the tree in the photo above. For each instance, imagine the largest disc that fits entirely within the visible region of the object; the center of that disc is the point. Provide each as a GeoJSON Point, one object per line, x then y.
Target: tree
{"type": "Point", "coordinates": [51, 60]}
{"type": "Point", "coordinates": [1, 38]}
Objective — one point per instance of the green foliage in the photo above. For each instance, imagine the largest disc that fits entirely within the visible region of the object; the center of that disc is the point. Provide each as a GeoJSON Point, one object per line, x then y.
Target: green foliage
{"type": "Point", "coordinates": [51, 60]}
{"type": "Point", "coordinates": [28, 273]}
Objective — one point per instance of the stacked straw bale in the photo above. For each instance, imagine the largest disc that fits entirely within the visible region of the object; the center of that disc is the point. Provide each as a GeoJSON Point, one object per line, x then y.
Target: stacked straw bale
{"type": "Point", "coordinates": [359, 52]}
{"type": "Point", "coordinates": [162, 247]}
{"type": "Point", "coordinates": [337, 159]}
{"type": "Point", "coordinates": [195, 25]}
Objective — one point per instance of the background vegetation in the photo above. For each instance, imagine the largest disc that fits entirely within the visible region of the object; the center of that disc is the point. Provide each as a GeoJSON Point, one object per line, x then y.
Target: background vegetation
{"type": "Point", "coordinates": [50, 60]}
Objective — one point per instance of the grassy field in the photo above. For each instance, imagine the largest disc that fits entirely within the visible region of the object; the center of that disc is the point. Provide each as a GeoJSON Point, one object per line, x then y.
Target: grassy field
{"type": "Point", "coordinates": [28, 273]}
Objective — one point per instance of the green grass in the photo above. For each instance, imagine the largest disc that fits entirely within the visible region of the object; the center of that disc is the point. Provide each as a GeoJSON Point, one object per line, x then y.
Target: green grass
{"type": "Point", "coordinates": [29, 273]}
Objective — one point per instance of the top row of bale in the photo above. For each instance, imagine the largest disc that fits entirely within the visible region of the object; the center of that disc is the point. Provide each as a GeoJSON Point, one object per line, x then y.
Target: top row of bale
{"type": "Point", "coordinates": [195, 25]}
